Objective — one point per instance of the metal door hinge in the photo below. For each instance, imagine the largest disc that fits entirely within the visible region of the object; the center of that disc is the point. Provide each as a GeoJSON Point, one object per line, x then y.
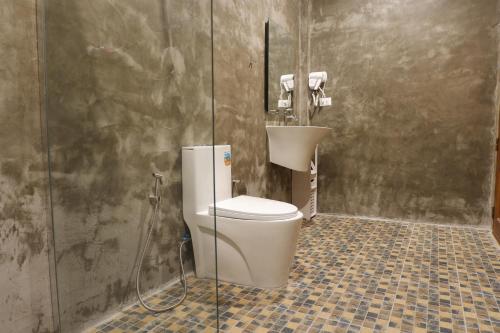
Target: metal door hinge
{"type": "Point", "coordinates": [493, 212]}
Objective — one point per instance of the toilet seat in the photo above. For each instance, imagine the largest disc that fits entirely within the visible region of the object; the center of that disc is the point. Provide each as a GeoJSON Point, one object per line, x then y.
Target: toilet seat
{"type": "Point", "coordinates": [245, 207]}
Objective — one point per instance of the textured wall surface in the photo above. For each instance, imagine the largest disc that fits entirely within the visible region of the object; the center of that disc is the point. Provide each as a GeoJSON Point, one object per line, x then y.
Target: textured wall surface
{"type": "Point", "coordinates": [129, 84]}
{"type": "Point", "coordinates": [25, 300]}
{"type": "Point", "coordinates": [239, 89]}
{"type": "Point", "coordinates": [413, 117]}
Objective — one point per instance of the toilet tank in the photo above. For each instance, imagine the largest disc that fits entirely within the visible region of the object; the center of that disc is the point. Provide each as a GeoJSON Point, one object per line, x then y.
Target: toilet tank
{"type": "Point", "coordinates": [197, 177]}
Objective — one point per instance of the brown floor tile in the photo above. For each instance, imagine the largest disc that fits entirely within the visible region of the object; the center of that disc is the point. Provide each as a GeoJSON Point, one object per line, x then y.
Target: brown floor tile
{"type": "Point", "coordinates": [351, 275]}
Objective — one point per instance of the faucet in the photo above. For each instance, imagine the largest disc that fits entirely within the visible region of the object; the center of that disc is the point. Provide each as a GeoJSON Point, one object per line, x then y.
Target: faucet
{"type": "Point", "coordinates": [288, 115]}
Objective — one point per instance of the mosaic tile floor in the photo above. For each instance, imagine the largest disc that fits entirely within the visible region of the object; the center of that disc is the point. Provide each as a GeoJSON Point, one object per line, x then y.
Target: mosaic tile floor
{"type": "Point", "coordinates": [351, 275]}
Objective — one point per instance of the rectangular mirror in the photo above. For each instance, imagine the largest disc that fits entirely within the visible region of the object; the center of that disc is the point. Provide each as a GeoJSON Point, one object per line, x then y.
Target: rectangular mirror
{"type": "Point", "coordinates": [279, 60]}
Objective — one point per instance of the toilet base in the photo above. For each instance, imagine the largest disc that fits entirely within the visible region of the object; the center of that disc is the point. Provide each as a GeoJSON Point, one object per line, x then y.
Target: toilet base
{"type": "Point", "coordinates": [249, 252]}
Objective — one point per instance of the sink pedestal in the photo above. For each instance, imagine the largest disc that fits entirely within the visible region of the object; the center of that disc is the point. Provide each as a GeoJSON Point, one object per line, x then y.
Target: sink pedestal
{"type": "Point", "coordinates": [293, 146]}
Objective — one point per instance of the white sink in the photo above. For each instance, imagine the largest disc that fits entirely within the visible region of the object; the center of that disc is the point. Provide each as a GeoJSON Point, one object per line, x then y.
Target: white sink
{"type": "Point", "coordinates": [293, 146]}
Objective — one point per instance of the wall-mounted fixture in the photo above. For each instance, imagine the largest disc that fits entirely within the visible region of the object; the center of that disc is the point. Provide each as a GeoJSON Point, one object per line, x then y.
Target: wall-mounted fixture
{"type": "Point", "coordinates": [317, 82]}
{"type": "Point", "coordinates": [285, 100]}
{"type": "Point", "coordinates": [287, 86]}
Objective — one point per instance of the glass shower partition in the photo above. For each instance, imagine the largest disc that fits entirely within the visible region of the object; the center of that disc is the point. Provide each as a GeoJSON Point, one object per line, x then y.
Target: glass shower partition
{"type": "Point", "coordinates": [127, 84]}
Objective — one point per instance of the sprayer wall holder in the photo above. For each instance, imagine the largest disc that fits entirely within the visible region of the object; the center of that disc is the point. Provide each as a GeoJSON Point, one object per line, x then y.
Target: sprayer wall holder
{"type": "Point", "coordinates": [325, 101]}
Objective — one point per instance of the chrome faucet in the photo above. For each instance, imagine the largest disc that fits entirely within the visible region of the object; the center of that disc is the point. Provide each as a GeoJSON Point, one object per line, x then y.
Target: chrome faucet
{"type": "Point", "coordinates": [288, 115]}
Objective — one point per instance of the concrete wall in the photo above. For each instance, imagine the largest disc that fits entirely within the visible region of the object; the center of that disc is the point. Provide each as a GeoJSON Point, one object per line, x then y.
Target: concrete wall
{"type": "Point", "coordinates": [413, 118]}
{"type": "Point", "coordinates": [129, 84]}
{"type": "Point", "coordinates": [25, 298]}
{"type": "Point", "coordinates": [239, 91]}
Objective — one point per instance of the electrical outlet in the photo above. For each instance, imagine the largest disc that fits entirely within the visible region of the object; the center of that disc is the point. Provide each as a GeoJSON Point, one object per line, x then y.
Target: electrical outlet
{"type": "Point", "coordinates": [325, 101]}
{"type": "Point", "coordinates": [284, 103]}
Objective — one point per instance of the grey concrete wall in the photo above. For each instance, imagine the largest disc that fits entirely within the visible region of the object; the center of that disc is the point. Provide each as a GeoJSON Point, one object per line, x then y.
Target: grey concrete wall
{"type": "Point", "coordinates": [413, 118]}
{"type": "Point", "coordinates": [239, 91]}
{"type": "Point", "coordinates": [25, 298]}
{"type": "Point", "coordinates": [129, 84]}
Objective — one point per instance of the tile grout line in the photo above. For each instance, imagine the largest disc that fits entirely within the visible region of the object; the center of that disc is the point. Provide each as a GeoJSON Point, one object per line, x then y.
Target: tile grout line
{"type": "Point", "coordinates": [409, 221]}
{"type": "Point", "coordinates": [460, 287]}
{"type": "Point", "coordinates": [443, 246]}
{"type": "Point", "coordinates": [400, 276]}
{"type": "Point", "coordinates": [478, 280]}
{"type": "Point", "coordinates": [482, 258]}
{"type": "Point", "coordinates": [358, 252]}
{"type": "Point", "coordinates": [420, 248]}
{"type": "Point", "coordinates": [378, 281]}
{"type": "Point", "coordinates": [333, 289]}
{"type": "Point", "coordinates": [426, 256]}
{"type": "Point", "coordinates": [458, 279]}
{"type": "Point", "coordinates": [437, 258]}
{"type": "Point", "coordinates": [428, 277]}
{"type": "Point", "coordinates": [108, 320]}
{"type": "Point", "coordinates": [347, 270]}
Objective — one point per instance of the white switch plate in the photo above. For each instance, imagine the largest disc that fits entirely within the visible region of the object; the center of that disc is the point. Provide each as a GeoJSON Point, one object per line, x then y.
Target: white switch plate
{"type": "Point", "coordinates": [325, 101]}
{"type": "Point", "coordinates": [284, 103]}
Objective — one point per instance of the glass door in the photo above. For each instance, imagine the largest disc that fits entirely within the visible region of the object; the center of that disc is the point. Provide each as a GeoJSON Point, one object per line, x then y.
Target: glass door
{"type": "Point", "coordinates": [255, 64]}
{"type": "Point", "coordinates": [128, 87]}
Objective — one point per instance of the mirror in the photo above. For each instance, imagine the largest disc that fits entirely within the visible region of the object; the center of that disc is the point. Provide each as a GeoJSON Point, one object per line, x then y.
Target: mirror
{"type": "Point", "coordinates": [279, 60]}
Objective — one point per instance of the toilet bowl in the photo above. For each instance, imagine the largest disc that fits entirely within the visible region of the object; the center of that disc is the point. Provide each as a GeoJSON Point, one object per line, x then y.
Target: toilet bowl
{"type": "Point", "coordinates": [256, 237]}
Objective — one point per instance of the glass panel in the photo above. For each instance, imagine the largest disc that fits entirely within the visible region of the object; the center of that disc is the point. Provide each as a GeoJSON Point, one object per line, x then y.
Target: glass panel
{"type": "Point", "coordinates": [128, 84]}
{"type": "Point", "coordinates": [256, 245]}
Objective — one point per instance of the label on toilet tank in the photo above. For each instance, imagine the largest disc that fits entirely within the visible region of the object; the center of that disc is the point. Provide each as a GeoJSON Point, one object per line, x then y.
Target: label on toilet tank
{"type": "Point", "coordinates": [227, 158]}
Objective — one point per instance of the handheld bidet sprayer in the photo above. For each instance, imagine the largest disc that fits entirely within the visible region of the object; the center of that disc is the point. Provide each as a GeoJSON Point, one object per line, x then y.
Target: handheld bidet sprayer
{"type": "Point", "coordinates": [155, 201]}
{"type": "Point", "coordinates": [155, 198]}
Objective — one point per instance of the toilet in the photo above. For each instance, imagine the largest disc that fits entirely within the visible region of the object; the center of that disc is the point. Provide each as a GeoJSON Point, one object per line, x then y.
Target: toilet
{"type": "Point", "coordinates": [256, 237]}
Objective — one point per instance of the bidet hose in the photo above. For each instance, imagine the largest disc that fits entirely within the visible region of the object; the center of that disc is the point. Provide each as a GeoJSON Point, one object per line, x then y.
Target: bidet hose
{"type": "Point", "coordinates": [139, 268]}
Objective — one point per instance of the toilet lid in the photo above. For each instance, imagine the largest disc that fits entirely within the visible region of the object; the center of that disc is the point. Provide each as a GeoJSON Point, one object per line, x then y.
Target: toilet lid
{"type": "Point", "coordinates": [252, 208]}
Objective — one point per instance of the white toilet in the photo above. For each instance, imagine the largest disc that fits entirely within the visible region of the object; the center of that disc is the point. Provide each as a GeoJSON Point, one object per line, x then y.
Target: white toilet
{"type": "Point", "coordinates": [256, 238]}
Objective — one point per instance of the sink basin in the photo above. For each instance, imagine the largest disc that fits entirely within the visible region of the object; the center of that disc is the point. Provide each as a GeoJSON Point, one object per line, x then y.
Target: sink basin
{"type": "Point", "coordinates": [293, 146]}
